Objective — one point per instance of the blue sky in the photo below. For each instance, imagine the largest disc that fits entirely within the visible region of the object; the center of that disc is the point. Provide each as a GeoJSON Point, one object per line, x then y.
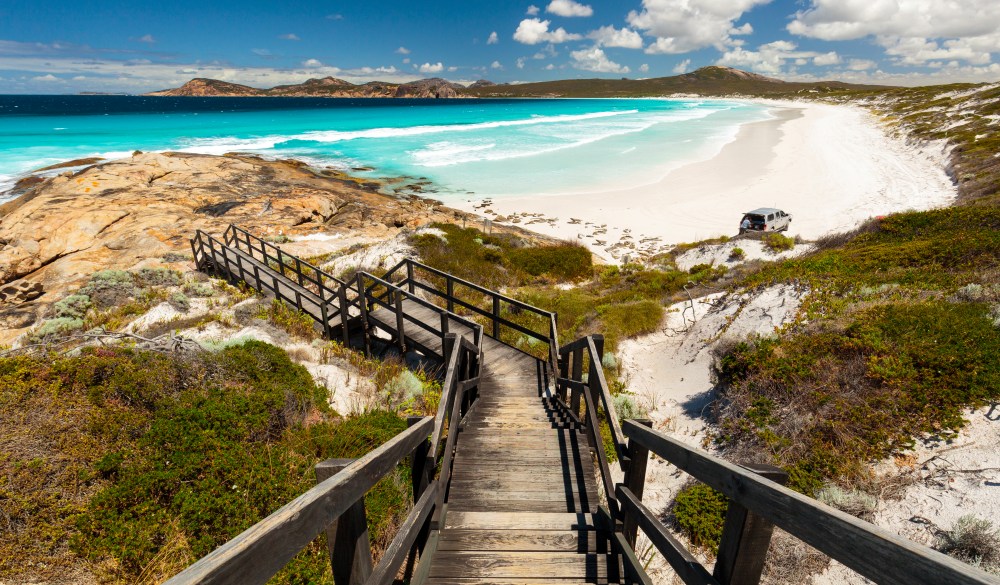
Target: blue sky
{"type": "Point", "coordinates": [65, 47]}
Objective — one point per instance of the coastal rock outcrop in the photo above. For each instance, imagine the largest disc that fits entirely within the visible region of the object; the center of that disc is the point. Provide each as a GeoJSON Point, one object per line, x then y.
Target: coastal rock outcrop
{"type": "Point", "coordinates": [201, 87]}
{"type": "Point", "coordinates": [429, 88]}
{"type": "Point", "coordinates": [321, 87]}
{"type": "Point", "coordinates": [141, 211]}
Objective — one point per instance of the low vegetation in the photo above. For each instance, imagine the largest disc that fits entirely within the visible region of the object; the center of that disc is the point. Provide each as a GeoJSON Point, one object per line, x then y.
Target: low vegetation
{"type": "Point", "coordinates": [618, 302]}
{"type": "Point", "coordinates": [128, 465]}
{"type": "Point", "coordinates": [973, 540]}
{"type": "Point", "coordinates": [895, 341]}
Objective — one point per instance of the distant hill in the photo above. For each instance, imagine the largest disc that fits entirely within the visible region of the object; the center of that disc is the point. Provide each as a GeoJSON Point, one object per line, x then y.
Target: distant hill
{"type": "Point", "coordinates": [710, 81]}
{"type": "Point", "coordinates": [201, 87]}
{"type": "Point", "coordinates": [325, 87]}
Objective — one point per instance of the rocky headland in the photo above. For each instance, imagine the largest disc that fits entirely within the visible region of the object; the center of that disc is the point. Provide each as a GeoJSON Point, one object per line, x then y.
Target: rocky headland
{"type": "Point", "coordinates": [141, 211]}
{"type": "Point", "coordinates": [326, 87]}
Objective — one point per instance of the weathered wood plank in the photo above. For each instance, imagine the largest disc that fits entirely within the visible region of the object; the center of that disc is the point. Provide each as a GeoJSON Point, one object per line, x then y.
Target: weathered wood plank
{"type": "Point", "coordinates": [524, 540]}
{"type": "Point", "coordinates": [519, 521]}
{"type": "Point", "coordinates": [513, 565]}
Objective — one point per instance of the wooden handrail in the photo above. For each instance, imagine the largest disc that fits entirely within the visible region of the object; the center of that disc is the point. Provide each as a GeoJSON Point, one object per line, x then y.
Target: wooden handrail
{"type": "Point", "coordinates": [874, 552]}
{"type": "Point", "coordinates": [231, 238]}
{"type": "Point", "coordinates": [446, 316]}
{"type": "Point", "coordinates": [550, 337]}
{"type": "Point", "coordinates": [593, 346]}
{"type": "Point", "coordinates": [262, 550]}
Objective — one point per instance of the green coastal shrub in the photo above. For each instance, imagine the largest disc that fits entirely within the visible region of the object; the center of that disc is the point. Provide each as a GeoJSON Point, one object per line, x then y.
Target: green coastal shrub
{"type": "Point", "coordinates": [699, 512]}
{"type": "Point", "coordinates": [778, 243]}
{"type": "Point", "coordinates": [109, 288]}
{"type": "Point", "coordinates": [141, 462]}
{"type": "Point", "coordinates": [626, 408]}
{"type": "Point", "coordinates": [199, 289]}
{"type": "Point", "coordinates": [737, 254]}
{"type": "Point", "coordinates": [179, 301]}
{"type": "Point", "coordinates": [73, 307]}
{"type": "Point", "coordinates": [159, 277]}
{"type": "Point", "coordinates": [972, 540]}
{"type": "Point", "coordinates": [568, 261]}
{"type": "Point", "coordinates": [57, 327]}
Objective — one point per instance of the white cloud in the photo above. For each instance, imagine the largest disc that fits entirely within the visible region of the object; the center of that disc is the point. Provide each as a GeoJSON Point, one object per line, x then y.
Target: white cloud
{"type": "Point", "coordinates": [594, 59]}
{"type": "Point", "coordinates": [532, 10]}
{"type": "Point", "coordinates": [644, 68]}
{"type": "Point", "coordinates": [861, 64]}
{"type": "Point", "coordinates": [146, 39]}
{"type": "Point", "coordinates": [452, 69]}
{"type": "Point", "coordinates": [918, 50]}
{"type": "Point", "coordinates": [520, 63]}
{"type": "Point", "coordinates": [402, 51]}
{"type": "Point", "coordinates": [406, 61]}
{"type": "Point", "coordinates": [550, 67]}
{"type": "Point", "coordinates": [289, 37]}
{"type": "Point", "coordinates": [494, 38]}
{"type": "Point", "coordinates": [569, 8]}
{"type": "Point", "coordinates": [496, 65]}
{"type": "Point", "coordinates": [609, 36]}
{"type": "Point", "coordinates": [915, 32]}
{"type": "Point", "coordinates": [335, 17]}
{"type": "Point", "coordinates": [532, 31]}
{"type": "Point", "coordinates": [682, 26]}
{"type": "Point", "coordinates": [831, 58]}
{"type": "Point", "coordinates": [839, 20]}
{"type": "Point", "coordinates": [769, 58]}
{"type": "Point", "coordinates": [312, 63]}
{"type": "Point", "coordinates": [682, 67]}
{"type": "Point", "coordinates": [432, 67]}
{"type": "Point", "coordinates": [46, 78]}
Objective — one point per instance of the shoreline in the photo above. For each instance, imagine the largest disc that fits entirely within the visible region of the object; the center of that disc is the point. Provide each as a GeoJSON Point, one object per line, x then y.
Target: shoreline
{"type": "Point", "coordinates": [830, 166]}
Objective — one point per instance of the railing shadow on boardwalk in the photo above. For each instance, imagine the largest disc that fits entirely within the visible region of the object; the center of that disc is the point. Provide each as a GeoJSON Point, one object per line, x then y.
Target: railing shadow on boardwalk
{"type": "Point", "coordinates": [577, 394]}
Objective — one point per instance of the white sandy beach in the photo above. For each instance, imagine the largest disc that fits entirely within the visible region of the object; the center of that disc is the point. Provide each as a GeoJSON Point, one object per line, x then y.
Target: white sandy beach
{"type": "Point", "coordinates": [830, 166]}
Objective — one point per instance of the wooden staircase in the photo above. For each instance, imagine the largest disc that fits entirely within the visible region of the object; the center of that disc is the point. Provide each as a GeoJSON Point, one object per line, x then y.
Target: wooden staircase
{"type": "Point", "coordinates": [511, 480]}
{"type": "Point", "coordinates": [522, 504]}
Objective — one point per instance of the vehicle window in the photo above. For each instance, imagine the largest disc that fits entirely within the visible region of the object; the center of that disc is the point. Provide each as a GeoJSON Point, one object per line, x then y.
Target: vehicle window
{"type": "Point", "coordinates": [770, 217]}
{"type": "Point", "coordinates": [756, 217]}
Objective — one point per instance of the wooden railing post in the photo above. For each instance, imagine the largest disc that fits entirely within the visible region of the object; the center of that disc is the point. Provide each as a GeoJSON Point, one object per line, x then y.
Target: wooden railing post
{"type": "Point", "coordinates": [450, 288]}
{"type": "Point", "coordinates": [400, 323]}
{"type": "Point", "coordinates": [444, 334]}
{"type": "Point", "coordinates": [345, 316]}
{"type": "Point", "coordinates": [745, 538]}
{"type": "Point", "coordinates": [576, 373]}
{"type": "Point", "coordinates": [363, 305]}
{"type": "Point", "coordinates": [496, 316]}
{"type": "Point", "coordinates": [635, 480]}
{"type": "Point", "coordinates": [409, 277]}
{"type": "Point", "coordinates": [450, 340]}
{"type": "Point", "coordinates": [347, 537]}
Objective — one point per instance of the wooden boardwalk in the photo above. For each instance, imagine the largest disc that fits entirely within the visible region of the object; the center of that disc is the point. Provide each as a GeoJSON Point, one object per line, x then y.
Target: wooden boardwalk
{"type": "Point", "coordinates": [521, 506]}
{"type": "Point", "coordinates": [522, 491]}
{"type": "Point", "coordinates": [522, 499]}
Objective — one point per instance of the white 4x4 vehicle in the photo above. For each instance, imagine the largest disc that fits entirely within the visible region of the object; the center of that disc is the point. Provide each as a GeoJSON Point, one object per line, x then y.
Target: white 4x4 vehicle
{"type": "Point", "coordinates": [765, 219]}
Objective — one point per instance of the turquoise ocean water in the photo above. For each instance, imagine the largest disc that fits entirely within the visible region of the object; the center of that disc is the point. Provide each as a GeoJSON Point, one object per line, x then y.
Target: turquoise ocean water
{"type": "Point", "coordinates": [492, 148]}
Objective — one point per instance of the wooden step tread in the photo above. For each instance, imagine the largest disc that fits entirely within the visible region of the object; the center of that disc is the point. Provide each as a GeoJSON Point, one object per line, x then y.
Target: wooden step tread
{"type": "Point", "coordinates": [523, 565]}
{"type": "Point", "coordinates": [584, 541]}
{"type": "Point", "coordinates": [519, 521]}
